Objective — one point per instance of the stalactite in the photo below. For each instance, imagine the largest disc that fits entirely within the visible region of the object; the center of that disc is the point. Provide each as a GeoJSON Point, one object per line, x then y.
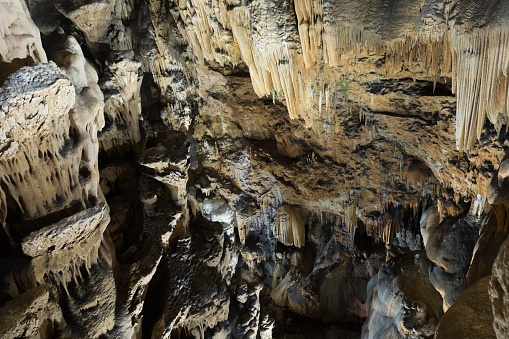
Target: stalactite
{"type": "Point", "coordinates": [271, 199]}
{"type": "Point", "coordinates": [19, 36]}
{"type": "Point", "coordinates": [64, 247]}
{"type": "Point", "coordinates": [40, 174]}
{"type": "Point", "coordinates": [289, 226]}
{"type": "Point", "coordinates": [481, 58]}
{"type": "Point", "coordinates": [278, 60]}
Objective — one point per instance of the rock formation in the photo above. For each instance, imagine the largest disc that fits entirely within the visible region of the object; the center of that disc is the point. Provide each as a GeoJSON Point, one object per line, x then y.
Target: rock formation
{"type": "Point", "coordinates": [272, 168]}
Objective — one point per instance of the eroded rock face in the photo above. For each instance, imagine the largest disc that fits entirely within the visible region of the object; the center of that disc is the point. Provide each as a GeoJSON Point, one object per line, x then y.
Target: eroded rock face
{"type": "Point", "coordinates": [34, 138]}
{"type": "Point", "coordinates": [53, 211]}
{"type": "Point", "coordinates": [62, 248]}
{"type": "Point", "coordinates": [499, 293]}
{"type": "Point", "coordinates": [450, 246]}
{"type": "Point", "coordinates": [90, 302]}
{"type": "Point", "coordinates": [402, 302]}
{"type": "Point", "coordinates": [474, 307]}
{"type": "Point", "coordinates": [33, 314]}
{"type": "Point", "coordinates": [20, 41]}
{"type": "Point", "coordinates": [101, 21]}
{"type": "Point", "coordinates": [122, 109]}
{"type": "Point", "coordinates": [253, 169]}
{"type": "Point", "coordinates": [196, 270]}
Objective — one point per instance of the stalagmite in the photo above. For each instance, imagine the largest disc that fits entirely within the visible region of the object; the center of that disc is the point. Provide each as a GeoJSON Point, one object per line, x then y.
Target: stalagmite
{"type": "Point", "coordinates": [430, 220]}
{"type": "Point", "coordinates": [450, 246]}
{"type": "Point", "coordinates": [401, 301]}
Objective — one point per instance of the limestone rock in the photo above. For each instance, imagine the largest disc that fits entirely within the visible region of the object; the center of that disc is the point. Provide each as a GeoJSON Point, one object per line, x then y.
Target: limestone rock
{"type": "Point", "coordinates": [116, 175]}
{"type": "Point", "coordinates": [190, 290]}
{"type": "Point", "coordinates": [121, 214]}
{"type": "Point", "coordinates": [35, 133]}
{"type": "Point", "coordinates": [313, 33]}
{"type": "Point", "coordinates": [473, 307]}
{"type": "Point", "coordinates": [139, 276]}
{"type": "Point", "coordinates": [289, 228]}
{"type": "Point", "coordinates": [498, 292]}
{"type": "Point", "coordinates": [101, 21]}
{"type": "Point", "coordinates": [265, 163]}
{"type": "Point", "coordinates": [121, 87]}
{"type": "Point", "coordinates": [450, 246]}
{"type": "Point", "coordinates": [495, 225]}
{"type": "Point", "coordinates": [248, 311]}
{"type": "Point", "coordinates": [20, 40]}
{"type": "Point", "coordinates": [87, 118]}
{"type": "Point", "coordinates": [429, 222]}
{"type": "Point", "coordinates": [62, 248]}
{"type": "Point", "coordinates": [402, 301]}
{"type": "Point", "coordinates": [33, 314]}
{"type": "Point", "coordinates": [161, 213]}
{"type": "Point", "coordinates": [170, 166]}
{"type": "Point", "coordinates": [90, 301]}
{"type": "Point", "coordinates": [486, 249]}
{"type": "Point", "coordinates": [333, 293]}
{"type": "Point", "coordinates": [160, 220]}
{"type": "Point", "coordinates": [217, 210]}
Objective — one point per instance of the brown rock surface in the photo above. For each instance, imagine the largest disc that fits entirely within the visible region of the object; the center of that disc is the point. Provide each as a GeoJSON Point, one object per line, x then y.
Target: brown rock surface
{"type": "Point", "coordinates": [498, 292]}
{"type": "Point", "coordinates": [402, 301]}
{"type": "Point", "coordinates": [473, 307]}
{"type": "Point", "coordinates": [253, 169]}
{"type": "Point", "coordinates": [33, 314]}
{"type": "Point", "coordinates": [20, 40]}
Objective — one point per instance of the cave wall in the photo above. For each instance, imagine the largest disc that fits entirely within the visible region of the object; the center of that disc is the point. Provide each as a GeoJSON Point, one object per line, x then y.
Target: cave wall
{"type": "Point", "coordinates": [254, 169]}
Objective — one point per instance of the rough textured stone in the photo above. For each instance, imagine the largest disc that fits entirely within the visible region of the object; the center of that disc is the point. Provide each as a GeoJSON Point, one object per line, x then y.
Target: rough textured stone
{"type": "Point", "coordinates": [20, 41]}
{"type": "Point", "coordinates": [402, 301]}
{"type": "Point", "coordinates": [498, 291]}
{"type": "Point", "coordinates": [253, 169]}
{"type": "Point", "coordinates": [473, 307]}
{"type": "Point", "coordinates": [30, 315]}
{"type": "Point", "coordinates": [450, 246]}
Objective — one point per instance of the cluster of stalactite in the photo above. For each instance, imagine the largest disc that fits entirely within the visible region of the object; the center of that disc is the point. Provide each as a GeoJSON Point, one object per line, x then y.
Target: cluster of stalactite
{"type": "Point", "coordinates": [293, 46]}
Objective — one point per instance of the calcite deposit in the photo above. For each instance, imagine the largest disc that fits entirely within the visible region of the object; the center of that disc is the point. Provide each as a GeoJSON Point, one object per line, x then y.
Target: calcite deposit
{"type": "Point", "coordinates": [254, 169]}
